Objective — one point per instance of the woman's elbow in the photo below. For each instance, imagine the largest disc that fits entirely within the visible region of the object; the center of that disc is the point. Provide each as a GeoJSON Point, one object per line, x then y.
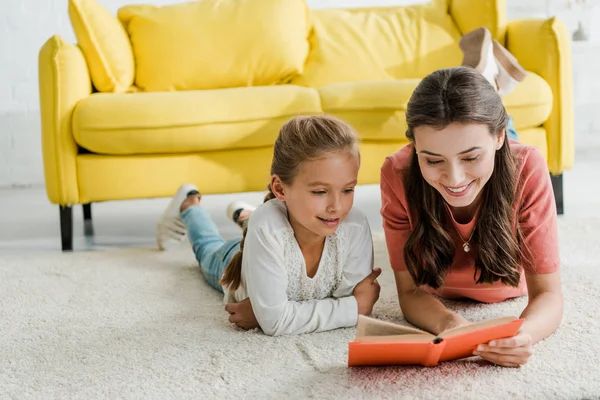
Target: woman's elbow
{"type": "Point", "coordinates": [406, 297]}
{"type": "Point", "coordinates": [551, 295]}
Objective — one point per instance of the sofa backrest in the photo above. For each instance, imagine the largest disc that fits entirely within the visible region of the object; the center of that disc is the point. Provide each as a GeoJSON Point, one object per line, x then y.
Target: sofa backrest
{"type": "Point", "coordinates": [213, 44]}
{"type": "Point", "coordinates": [380, 43]}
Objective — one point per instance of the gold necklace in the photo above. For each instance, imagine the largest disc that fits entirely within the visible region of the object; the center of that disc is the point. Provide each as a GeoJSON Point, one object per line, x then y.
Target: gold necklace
{"type": "Point", "coordinates": [466, 245]}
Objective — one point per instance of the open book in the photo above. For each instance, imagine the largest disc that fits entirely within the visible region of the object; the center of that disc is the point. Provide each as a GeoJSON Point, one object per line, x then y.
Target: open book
{"type": "Point", "coordinates": [385, 343]}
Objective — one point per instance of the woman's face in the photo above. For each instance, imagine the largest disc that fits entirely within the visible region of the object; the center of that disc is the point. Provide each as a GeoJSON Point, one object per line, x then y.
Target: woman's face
{"type": "Point", "coordinates": [457, 160]}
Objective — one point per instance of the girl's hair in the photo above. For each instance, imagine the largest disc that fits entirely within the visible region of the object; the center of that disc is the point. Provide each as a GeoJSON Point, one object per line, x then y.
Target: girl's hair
{"type": "Point", "coordinates": [464, 96]}
{"type": "Point", "coordinates": [300, 139]}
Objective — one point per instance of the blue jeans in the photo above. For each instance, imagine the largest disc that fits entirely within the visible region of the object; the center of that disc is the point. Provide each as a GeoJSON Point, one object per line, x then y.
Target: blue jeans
{"type": "Point", "coordinates": [511, 132]}
{"type": "Point", "coordinates": [212, 251]}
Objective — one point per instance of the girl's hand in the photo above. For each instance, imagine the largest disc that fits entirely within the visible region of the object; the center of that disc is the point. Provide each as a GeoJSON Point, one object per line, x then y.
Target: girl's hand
{"type": "Point", "coordinates": [511, 352]}
{"type": "Point", "coordinates": [366, 292]}
{"type": "Point", "coordinates": [241, 314]}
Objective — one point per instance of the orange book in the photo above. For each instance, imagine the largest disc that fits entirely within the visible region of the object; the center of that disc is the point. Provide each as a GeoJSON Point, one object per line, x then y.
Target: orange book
{"type": "Point", "coordinates": [385, 343]}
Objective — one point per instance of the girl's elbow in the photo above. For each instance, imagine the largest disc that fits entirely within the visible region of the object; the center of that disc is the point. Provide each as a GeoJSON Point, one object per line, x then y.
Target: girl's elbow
{"type": "Point", "coordinates": [270, 331]}
{"type": "Point", "coordinates": [269, 327]}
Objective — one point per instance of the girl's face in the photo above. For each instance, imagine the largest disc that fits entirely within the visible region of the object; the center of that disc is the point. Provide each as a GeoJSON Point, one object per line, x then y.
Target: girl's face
{"type": "Point", "coordinates": [457, 160]}
{"type": "Point", "coordinates": [321, 195]}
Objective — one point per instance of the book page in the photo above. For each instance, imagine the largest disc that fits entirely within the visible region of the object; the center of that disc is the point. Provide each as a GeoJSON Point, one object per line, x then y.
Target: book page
{"type": "Point", "coordinates": [476, 326]}
{"type": "Point", "coordinates": [403, 338]}
{"type": "Point", "coordinates": [373, 327]}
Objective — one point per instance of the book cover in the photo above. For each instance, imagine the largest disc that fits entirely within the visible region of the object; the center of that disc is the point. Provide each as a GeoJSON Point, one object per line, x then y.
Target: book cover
{"type": "Point", "coordinates": [384, 343]}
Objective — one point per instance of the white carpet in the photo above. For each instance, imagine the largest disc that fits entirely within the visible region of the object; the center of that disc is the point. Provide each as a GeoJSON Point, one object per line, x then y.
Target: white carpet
{"type": "Point", "coordinates": [143, 324]}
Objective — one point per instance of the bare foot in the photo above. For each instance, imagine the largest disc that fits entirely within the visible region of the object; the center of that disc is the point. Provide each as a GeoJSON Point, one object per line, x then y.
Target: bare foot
{"type": "Point", "coordinates": [244, 215]}
{"type": "Point", "coordinates": [190, 200]}
{"type": "Point", "coordinates": [239, 212]}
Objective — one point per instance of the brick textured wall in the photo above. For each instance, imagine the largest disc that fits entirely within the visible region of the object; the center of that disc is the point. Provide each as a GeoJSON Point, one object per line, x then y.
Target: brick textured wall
{"type": "Point", "coordinates": [25, 25]}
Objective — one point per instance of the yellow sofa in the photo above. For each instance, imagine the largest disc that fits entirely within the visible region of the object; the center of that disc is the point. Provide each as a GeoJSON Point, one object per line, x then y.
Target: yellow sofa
{"type": "Point", "coordinates": [131, 112]}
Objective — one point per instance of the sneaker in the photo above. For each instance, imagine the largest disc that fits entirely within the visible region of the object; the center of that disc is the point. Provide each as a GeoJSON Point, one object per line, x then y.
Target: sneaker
{"type": "Point", "coordinates": [510, 72]}
{"type": "Point", "coordinates": [478, 53]}
{"type": "Point", "coordinates": [235, 209]}
{"type": "Point", "coordinates": [170, 229]}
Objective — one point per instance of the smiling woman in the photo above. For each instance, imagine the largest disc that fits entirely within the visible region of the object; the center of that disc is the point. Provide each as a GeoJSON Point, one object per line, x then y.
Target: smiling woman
{"type": "Point", "coordinates": [468, 213]}
{"type": "Point", "coordinates": [466, 165]}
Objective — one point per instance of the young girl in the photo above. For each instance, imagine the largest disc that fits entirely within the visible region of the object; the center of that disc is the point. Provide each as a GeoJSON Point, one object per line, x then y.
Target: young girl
{"type": "Point", "coordinates": [468, 213]}
{"type": "Point", "coordinates": [305, 262]}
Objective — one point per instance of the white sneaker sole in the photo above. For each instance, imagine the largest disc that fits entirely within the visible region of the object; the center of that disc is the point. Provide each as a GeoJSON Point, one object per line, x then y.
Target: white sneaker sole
{"type": "Point", "coordinates": [170, 228]}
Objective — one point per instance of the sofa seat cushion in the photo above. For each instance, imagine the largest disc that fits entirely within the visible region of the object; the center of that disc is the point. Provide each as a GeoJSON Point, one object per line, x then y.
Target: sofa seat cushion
{"type": "Point", "coordinates": [378, 109]}
{"type": "Point", "coordinates": [189, 121]}
{"type": "Point", "coordinates": [531, 102]}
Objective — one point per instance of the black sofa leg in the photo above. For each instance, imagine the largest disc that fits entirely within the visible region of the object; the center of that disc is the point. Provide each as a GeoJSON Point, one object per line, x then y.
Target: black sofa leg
{"type": "Point", "coordinates": [88, 226]}
{"type": "Point", "coordinates": [66, 227]}
{"type": "Point", "coordinates": [557, 186]}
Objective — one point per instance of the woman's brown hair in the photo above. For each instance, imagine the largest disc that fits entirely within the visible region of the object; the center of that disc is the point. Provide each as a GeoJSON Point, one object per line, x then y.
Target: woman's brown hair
{"type": "Point", "coordinates": [300, 139]}
{"type": "Point", "coordinates": [462, 95]}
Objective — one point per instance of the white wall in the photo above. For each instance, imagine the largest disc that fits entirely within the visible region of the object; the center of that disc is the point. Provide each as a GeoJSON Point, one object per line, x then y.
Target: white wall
{"type": "Point", "coordinates": [26, 24]}
{"type": "Point", "coordinates": [24, 27]}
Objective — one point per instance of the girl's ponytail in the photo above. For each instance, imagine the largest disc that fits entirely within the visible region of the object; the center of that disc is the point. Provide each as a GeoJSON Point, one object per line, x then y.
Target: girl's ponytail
{"type": "Point", "coordinates": [270, 195]}
{"type": "Point", "coordinates": [232, 275]}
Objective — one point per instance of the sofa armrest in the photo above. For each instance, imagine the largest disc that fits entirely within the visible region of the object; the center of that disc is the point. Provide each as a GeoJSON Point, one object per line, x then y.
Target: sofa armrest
{"type": "Point", "coordinates": [64, 80]}
{"type": "Point", "coordinates": [544, 47]}
{"type": "Point", "coordinates": [472, 14]}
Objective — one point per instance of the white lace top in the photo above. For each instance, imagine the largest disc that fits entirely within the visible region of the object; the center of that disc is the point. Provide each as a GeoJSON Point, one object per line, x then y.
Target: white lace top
{"type": "Point", "coordinates": [284, 299]}
{"type": "Point", "coordinates": [329, 273]}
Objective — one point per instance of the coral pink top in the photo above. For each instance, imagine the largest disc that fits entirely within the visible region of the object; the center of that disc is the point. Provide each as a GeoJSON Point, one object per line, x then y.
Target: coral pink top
{"type": "Point", "coordinates": [534, 203]}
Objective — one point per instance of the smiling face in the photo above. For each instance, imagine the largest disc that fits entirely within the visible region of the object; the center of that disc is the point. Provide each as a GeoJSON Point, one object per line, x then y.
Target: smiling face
{"type": "Point", "coordinates": [458, 160]}
{"type": "Point", "coordinates": [320, 196]}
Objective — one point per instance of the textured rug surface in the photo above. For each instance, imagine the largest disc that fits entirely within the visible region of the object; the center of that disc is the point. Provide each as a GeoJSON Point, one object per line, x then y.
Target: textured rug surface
{"type": "Point", "coordinates": [143, 324]}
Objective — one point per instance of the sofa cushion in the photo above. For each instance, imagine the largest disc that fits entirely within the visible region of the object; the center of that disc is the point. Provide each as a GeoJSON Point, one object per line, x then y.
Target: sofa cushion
{"type": "Point", "coordinates": [378, 109]}
{"type": "Point", "coordinates": [210, 44]}
{"type": "Point", "coordinates": [375, 109]}
{"type": "Point", "coordinates": [531, 102]}
{"type": "Point", "coordinates": [368, 96]}
{"type": "Point", "coordinates": [189, 121]}
{"type": "Point", "coordinates": [380, 43]}
{"type": "Point", "coordinates": [105, 45]}
{"type": "Point", "coordinates": [340, 51]}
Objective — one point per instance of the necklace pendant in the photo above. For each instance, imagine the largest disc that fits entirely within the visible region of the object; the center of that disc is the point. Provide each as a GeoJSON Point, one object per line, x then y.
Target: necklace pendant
{"type": "Point", "coordinates": [466, 247]}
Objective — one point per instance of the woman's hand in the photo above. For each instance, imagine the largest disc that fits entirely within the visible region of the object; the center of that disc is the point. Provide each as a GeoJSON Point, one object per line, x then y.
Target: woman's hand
{"type": "Point", "coordinates": [510, 352]}
{"type": "Point", "coordinates": [366, 292]}
{"type": "Point", "coordinates": [241, 314]}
